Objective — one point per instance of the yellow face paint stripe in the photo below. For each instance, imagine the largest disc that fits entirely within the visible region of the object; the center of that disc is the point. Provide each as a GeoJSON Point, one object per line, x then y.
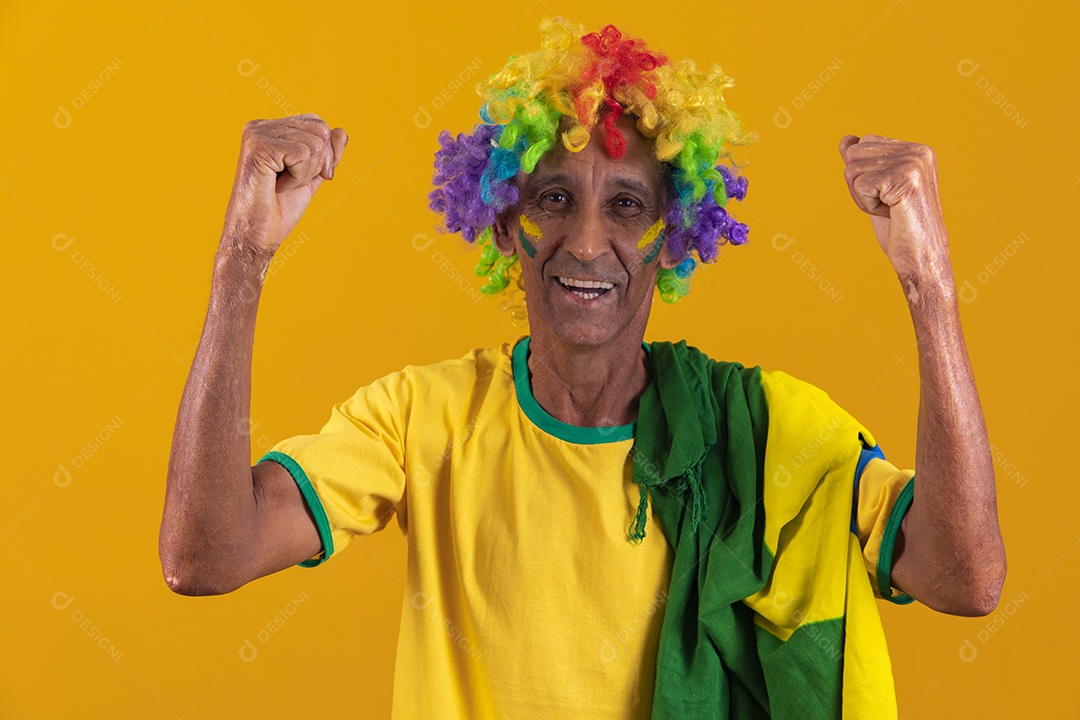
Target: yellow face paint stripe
{"type": "Point", "coordinates": [531, 228]}
{"type": "Point", "coordinates": [650, 234]}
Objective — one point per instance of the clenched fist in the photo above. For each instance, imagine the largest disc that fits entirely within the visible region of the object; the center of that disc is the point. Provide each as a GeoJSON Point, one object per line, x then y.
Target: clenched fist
{"type": "Point", "coordinates": [282, 163]}
{"type": "Point", "coordinates": [895, 182]}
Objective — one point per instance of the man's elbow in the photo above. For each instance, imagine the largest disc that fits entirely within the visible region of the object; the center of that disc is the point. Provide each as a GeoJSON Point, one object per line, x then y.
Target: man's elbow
{"type": "Point", "coordinates": [191, 585]}
{"type": "Point", "coordinates": [186, 574]}
{"type": "Point", "coordinates": [979, 593]}
{"type": "Point", "coordinates": [986, 592]}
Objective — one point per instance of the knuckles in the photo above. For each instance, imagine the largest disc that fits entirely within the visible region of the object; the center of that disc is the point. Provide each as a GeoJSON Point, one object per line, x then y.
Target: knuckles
{"type": "Point", "coordinates": [314, 125]}
{"type": "Point", "coordinates": [925, 152]}
{"type": "Point", "coordinates": [908, 161]}
{"type": "Point", "coordinates": [915, 168]}
{"type": "Point", "coordinates": [912, 175]}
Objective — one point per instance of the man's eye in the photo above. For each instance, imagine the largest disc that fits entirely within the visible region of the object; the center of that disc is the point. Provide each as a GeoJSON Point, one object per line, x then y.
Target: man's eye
{"type": "Point", "coordinates": [556, 197]}
{"type": "Point", "coordinates": [625, 202]}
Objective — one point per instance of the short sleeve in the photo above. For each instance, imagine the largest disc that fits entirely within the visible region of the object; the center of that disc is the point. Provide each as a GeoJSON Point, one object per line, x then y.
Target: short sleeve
{"type": "Point", "coordinates": [882, 496]}
{"type": "Point", "coordinates": [351, 474]}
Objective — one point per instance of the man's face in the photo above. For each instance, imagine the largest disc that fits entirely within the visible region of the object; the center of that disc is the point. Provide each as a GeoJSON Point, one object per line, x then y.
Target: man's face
{"type": "Point", "coordinates": [579, 230]}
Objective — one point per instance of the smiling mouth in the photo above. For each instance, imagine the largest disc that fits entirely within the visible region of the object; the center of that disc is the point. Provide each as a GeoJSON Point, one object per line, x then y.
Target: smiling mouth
{"type": "Point", "coordinates": [585, 289]}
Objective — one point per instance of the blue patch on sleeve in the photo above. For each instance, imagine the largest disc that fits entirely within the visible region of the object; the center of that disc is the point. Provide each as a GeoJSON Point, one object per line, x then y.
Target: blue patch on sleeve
{"type": "Point", "coordinates": [865, 456]}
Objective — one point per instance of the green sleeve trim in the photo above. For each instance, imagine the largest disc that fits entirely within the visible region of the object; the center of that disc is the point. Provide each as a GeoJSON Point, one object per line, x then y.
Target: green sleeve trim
{"type": "Point", "coordinates": [885, 554]}
{"type": "Point", "coordinates": [551, 425]}
{"type": "Point", "coordinates": [313, 502]}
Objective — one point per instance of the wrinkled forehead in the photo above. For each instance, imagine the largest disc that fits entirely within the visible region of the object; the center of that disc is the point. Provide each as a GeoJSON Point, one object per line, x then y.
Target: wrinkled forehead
{"type": "Point", "coordinates": [638, 163]}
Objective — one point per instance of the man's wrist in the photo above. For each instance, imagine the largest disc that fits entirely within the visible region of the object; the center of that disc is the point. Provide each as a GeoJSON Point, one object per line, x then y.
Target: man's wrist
{"type": "Point", "coordinates": [239, 251]}
{"type": "Point", "coordinates": [931, 283]}
{"type": "Point", "coordinates": [239, 271]}
{"type": "Point", "coordinates": [935, 312]}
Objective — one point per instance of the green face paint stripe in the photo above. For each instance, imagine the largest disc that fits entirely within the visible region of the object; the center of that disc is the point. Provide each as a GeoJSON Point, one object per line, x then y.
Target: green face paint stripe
{"type": "Point", "coordinates": [527, 246]}
{"type": "Point", "coordinates": [655, 249]}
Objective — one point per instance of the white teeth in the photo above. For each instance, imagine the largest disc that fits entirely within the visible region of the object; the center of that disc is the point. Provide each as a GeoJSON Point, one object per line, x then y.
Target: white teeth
{"type": "Point", "coordinates": [571, 282]}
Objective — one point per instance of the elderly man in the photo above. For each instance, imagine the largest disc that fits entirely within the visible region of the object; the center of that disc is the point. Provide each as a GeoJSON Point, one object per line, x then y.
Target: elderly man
{"type": "Point", "coordinates": [600, 527]}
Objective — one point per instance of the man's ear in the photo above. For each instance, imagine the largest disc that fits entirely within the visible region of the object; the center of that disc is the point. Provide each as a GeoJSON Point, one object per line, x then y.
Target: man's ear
{"type": "Point", "coordinates": [667, 259]}
{"type": "Point", "coordinates": [504, 229]}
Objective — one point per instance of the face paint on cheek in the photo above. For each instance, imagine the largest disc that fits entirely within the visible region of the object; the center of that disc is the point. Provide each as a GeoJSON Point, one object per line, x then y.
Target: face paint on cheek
{"type": "Point", "coordinates": [527, 246]}
{"type": "Point", "coordinates": [655, 250]}
{"type": "Point", "coordinates": [531, 228]}
{"type": "Point", "coordinates": [655, 229]}
{"type": "Point", "coordinates": [654, 233]}
{"type": "Point", "coordinates": [528, 226]}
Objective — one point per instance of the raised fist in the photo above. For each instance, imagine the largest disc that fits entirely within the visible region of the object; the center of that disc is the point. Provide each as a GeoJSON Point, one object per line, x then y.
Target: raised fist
{"type": "Point", "coordinates": [895, 183]}
{"type": "Point", "coordinates": [282, 163]}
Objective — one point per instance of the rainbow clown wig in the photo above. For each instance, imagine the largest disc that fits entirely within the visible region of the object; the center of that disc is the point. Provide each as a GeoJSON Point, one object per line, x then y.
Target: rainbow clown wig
{"type": "Point", "coordinates": [580, 80]}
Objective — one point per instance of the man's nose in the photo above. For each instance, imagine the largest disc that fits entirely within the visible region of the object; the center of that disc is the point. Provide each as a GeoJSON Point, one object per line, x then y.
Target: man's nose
{"type": "Point", "coordinates": [588, 238]}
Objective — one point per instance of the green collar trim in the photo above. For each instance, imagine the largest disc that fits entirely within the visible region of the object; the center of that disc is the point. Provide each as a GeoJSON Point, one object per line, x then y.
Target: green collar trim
{"type": "Point", "coordinates": [549, 424]}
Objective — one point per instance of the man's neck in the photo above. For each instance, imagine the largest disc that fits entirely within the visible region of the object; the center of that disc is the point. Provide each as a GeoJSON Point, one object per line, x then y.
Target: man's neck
{"type": "Point", "coordinates": [589, 386]}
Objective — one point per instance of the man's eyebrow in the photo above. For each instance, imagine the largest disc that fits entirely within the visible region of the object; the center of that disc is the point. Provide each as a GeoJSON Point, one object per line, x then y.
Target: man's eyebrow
{"type": "Point", "coordinates": [542, 178]}
{"type": "Point", "coordinates": [629, 184]}
{"type": "Point", "coordinates": [633, 185]}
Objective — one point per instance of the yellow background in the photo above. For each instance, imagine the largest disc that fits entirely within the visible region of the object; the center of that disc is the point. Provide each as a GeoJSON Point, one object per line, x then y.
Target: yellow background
{"type": "Point", "coordinates": [132, 184]}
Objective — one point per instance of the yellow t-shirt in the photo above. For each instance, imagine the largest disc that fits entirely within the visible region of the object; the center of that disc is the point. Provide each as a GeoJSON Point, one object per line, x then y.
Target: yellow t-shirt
{"type": "Point", "coordinates": [524, 596]}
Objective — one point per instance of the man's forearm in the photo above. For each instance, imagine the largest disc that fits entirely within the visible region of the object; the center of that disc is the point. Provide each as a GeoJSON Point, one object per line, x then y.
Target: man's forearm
{"type": "Point", "coordinates": [953, 557]}
{"type": "Point", "coordinates": [209, 500]}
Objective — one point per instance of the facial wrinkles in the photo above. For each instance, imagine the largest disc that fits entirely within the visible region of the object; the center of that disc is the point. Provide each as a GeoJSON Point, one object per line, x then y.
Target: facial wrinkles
{"type": "Point", "coordinates": [625, 229]}
{"type": "Point", "coordinates": [593, 183]}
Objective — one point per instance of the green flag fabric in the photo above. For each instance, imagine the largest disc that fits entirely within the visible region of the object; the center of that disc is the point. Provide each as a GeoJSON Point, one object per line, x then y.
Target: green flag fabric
{"type": "Point", "coordinates": [770, 612]}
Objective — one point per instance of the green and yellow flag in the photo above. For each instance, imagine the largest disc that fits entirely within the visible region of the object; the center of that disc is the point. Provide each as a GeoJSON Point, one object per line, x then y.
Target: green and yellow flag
{"type": "Point", "coordinates": [771, 612]}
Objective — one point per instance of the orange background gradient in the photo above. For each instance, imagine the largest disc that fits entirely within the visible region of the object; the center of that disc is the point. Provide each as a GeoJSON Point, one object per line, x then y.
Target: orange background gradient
{"type": "Point", "coordinates": [120, 134]}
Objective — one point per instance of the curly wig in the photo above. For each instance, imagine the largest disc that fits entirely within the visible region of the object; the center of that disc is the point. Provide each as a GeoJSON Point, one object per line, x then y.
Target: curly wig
{"type": "Point", "coordinates": [576, 81]}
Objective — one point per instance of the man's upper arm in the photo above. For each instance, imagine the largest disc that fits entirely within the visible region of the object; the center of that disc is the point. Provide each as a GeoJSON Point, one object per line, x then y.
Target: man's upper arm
{"type": "Point", "coordinates": [285, 529]}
